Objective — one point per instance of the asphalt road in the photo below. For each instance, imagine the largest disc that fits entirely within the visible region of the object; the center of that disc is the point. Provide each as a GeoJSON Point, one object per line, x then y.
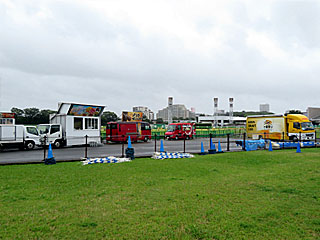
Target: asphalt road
{"type": "Point", "coordinates": [141, 149]}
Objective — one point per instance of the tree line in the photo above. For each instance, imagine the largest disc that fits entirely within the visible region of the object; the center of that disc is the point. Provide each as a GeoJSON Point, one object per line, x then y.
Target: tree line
{"type": "Point", "coordinates": [36, 116]}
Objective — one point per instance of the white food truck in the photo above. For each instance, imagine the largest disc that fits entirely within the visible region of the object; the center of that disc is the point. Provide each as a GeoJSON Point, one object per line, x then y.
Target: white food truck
{"type": "Point", "coordinates": [71, 124]}
{"type": "Point", "coordinates": [20, 136]}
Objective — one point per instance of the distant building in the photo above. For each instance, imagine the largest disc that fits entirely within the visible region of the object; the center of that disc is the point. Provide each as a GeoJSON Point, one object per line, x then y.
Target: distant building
{"type": "Point", "coordinates": [264, 107]}
{"type": "Point", "coordinates": [220, 112]}
{"type": "Point", "coordinates": [145, 110]}
{"type": "Point", "coordinates": [313, 113]}
{"type": "Point", "coordinates": [177, 111]}
{"type": "Point", "coordinates": [222, 120]}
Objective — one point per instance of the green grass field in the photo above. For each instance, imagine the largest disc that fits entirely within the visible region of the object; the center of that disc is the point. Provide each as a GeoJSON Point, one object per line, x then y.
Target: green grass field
{"type": "Point", "coordinates": [244, 195]}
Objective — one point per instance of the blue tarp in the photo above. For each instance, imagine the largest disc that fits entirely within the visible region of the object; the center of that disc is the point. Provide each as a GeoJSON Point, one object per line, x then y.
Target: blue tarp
{"type": "Point", "coordinates": [295, 144]}
{"type": "Point", "coordinates": [252, 145]}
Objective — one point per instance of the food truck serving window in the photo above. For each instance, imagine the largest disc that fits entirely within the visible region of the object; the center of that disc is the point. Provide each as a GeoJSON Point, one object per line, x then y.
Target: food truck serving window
{"type": "Point", "coordinates": [91, 123]}
{"type": "Point", "coordinates": [8, 121]}
{"type": "Point", "coordinates": [78, 123]}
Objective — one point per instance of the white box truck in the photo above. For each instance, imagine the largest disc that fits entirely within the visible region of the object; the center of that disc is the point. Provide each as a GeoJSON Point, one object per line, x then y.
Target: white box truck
{"type": "Point", "coordinates": [20, 136]}
{"type": "Point", "coordinates": [71, 124]}
{"type": "Point", "coordinates": [17, 136]}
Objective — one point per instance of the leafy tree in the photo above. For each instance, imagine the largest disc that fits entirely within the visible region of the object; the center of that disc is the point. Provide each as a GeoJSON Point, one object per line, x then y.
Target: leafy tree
{"type": "Point", "coordinates": [109, 117]}
{"type": "Point", "coordinates": [44, 115]}
{"type": "Point", "coordinates": [159, 120]}
{"type": "Point", "coordinates": [31, 115]}
{"type": "Point", "coordinates": [145, 119]}
{"type": "Point", "coordinates": [294, 111]}
{"type": "Point", "coordinates": [245, 114]}
{"type": "Point", "coordinates": [17, 111]}
{"type": "Point", "coordinates": [19, 115]}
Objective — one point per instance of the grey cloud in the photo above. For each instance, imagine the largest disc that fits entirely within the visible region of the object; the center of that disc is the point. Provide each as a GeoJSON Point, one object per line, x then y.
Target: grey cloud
{"type": "Point", "coordinates": [297, 22]}
{"type": "Point", "coordinates": [80, 55]}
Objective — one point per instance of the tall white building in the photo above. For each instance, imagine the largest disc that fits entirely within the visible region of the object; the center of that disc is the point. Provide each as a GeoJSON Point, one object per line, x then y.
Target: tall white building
{"type": "Point", "coordinates": [145, 110]}
{"type": "Point", "coordinates": [177, 110]}
{"type": "Point", "coordinates": [264, 107]}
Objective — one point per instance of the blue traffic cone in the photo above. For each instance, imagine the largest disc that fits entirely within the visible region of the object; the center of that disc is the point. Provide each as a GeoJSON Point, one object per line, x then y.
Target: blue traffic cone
{"type": "Point", "coordinates": [161, 146]}
{"type": "Point", "coordinates": [219, 148]}
{"type": "Point", "coordinates": [50, 159]}
{"type": "Point", "coordinates": [211, 144]}
{"type": "Point", "coordinates": [129, 142]}
{"type": "Point", "coordinates": [270, 146]}
{"type": "Point", "coordinates": [212, 149]}
{"type": "Point", "coordinates": [50, 153]}
{"type": "Point", "coordinates": [202, 149]}
{"type": "Point", "coordinates": [298, 148]}
{"type": "Point", "coordinates": [130, 150]}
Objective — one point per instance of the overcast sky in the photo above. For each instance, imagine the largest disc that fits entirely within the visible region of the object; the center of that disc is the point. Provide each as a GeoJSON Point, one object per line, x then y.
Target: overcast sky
{"type": "Point", "coordinates": [124, 53]}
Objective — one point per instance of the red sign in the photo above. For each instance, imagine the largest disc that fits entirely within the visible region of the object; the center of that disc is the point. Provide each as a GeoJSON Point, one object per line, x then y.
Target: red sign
{"type": "Point", "coordinates": [7, 115]}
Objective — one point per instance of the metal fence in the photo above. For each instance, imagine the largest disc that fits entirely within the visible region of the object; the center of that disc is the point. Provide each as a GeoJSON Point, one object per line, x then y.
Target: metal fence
{"type": "Point", "coordinates": [226, 141]}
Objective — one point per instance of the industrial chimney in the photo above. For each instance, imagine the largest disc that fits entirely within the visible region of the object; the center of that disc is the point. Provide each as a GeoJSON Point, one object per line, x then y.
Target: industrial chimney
{"type": "Point", "coordinates": [215, 105]}
{"type": "Point", "coordinates": [230, 110]}
{"type": "Point", "coordinates": [170, 103]}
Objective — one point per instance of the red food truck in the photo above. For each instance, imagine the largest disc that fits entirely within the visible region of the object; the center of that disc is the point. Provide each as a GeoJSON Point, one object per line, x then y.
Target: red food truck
{"type": "Point", "coordinates": [180, 131]}
{"type": "Point", "coordinates": [120, 131]}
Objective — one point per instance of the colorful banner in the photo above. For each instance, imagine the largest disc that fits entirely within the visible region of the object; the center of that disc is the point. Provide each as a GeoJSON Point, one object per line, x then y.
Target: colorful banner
{"type": "Point", "coordinates": [132, 116]}
{"type": "Point", "coordinates": [85, 110]}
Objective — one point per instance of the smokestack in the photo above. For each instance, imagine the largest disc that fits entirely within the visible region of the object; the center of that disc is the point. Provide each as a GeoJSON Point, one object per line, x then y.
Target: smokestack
{"type": "Point", "coordinates": [215, 108]}
{"type": "Point", "coordinates": [170, 103]}
{"type": "Point", "coordinates": [230, 110]}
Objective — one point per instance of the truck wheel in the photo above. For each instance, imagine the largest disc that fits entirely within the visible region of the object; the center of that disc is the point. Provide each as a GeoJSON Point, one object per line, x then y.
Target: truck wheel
{"type": "Point", "coordinates": [187, 137]}
{"type": "Point", "coordinates": [176, 138]}
{"type": "Point", "coordinates": [295, 139]}
{"type": "Point", "coordinates": [57, 144]}
{"type": "Point", "coordinates": [146, 139]}
{"type": "Point", "coordinates": [29, 145]}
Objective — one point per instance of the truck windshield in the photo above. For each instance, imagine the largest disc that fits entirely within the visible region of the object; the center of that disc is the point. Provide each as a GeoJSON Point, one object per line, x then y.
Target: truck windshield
{"type": "Point", "coordinates": [43, 129]}
{"type": "Point", "coordinates": [307, 126]}
{"type": "Point", "coordinates": [171, 128]}
{"type": "Point", "coordinates": [32, 130]}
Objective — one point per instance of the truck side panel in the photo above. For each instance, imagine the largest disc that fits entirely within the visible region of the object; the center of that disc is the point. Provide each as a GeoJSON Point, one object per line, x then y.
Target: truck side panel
{"type": "Point", "coordinates": [77, 137]}
{"type": "Point", "coordinates": [266, 127]}
{"type": "Point", "coordinates": [11, 133]}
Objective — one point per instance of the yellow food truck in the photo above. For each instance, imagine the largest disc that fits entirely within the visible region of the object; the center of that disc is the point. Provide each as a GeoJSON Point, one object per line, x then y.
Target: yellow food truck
{"type": "Point", "coordinates": [280, 127]}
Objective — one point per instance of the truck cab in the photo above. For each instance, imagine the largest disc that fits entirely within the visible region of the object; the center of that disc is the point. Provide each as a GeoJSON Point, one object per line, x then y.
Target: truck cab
{"type": "Point", "coordinates": [180, 131]}
{"type": "Point", "coordinates": [51, 133]}
{"type": "Point", "coordinates": [299, 127]}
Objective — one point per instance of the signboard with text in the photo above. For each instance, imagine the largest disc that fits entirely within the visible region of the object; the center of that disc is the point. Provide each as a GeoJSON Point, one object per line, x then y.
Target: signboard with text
{"type": "Point", "coordinates": [6, 115]}
{"type": "Point", "coordinates": [132, 116]}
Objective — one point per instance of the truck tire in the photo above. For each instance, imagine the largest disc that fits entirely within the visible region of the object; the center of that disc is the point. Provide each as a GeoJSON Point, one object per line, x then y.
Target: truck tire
{"type": "Point", "coordinates": [177, 138]}
{"type": "Point", "coordinates": [146, 139]}
{"type": "Point", "coordinates": [57, 144]}
{"type": "Point", "coordinates": [29, 145]}
{"type": "Point", "coordinates": [295, 138]}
